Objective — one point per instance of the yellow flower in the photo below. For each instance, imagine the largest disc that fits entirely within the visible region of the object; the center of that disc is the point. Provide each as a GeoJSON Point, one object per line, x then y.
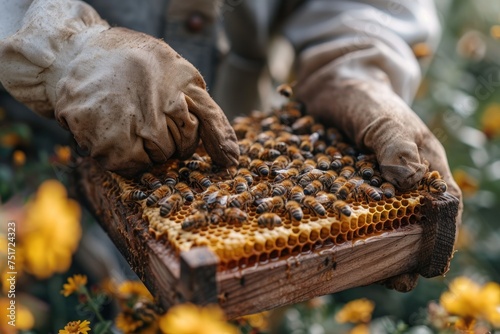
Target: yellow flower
{"type": "Point", "coordinates": [466, 182]}
{"type": "Point", "coordinates": [52, 230]}
{"type": "Point", "coordinates": [24, 319]}
{"type": "Point", "coordinates": [134, 289]}
{"type": "Point", "coordinates": [360, 329]}
{"type": "Point", "coordinates": [76, 327]}
{"type": "Point", "coordinates": [258, 320]}
{"type": "Point", "coordinates": [495, 31]}
{"type": "Point", "coordinates": [75, 284]}
{"type": "Point", "coordinates": [490, 120]}
{"type": "Point", "coordinates": [471, 301]}
{"type": "Point", "coordinates": [63, 153]}
{"type": "Point", "coordinates": [359, 310]}
{"type": "Point", "coordinates": [191, 319]}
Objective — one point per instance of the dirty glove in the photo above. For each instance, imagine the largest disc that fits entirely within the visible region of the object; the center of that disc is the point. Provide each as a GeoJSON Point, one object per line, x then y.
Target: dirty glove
{"type": "Point", "coordinates": [128, 98]}
{"type": "Point", "coordinates": [358, 98]}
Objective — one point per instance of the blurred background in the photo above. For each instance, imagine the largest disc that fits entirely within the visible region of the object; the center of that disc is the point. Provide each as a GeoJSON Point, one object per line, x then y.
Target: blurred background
{"type": "Point", "coordinates": [459, 99]}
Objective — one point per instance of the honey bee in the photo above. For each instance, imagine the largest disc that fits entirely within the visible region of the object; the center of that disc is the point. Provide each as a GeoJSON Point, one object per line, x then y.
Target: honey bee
{"type": "Point", "coordinates": [209, 191]}
{"type": "Point", "coordinates": [347, 172]}
{"type": "Point", "coordinates": [346, 149]}
{"type": "Point", "coordinates": [283, 174]}
{"type": "Point", "coordinates": [199, 165]}
{"type": "Point", "coordinates": [241, 200]}
{"type": "Point", "coordinates": [365, 169]}
{"type": "Point", "coordinates": [342, 162]}
{"type": "Point", "coordinates": [150, 181]}
{"type": "Point", "coordinates": [296, 163]}
{"type": "Point", "coordinates": [259, 167]}
{"type": "Point", "coordinates": [307, 166]}
{"type": "Point", "coordinates": [260, 190]}
{"type": "Point", "coordinates": [333, 135]}
{"type": "Point", "coordinates": [342, 208]}
{"type": "Point", "coordinates": [219, 197]}
{"type": "Point", "coordinates": [303, 124]}
{"type": "Point", "coordinates": [279, 163]}
{"type": "Point", "coordinates": [306, 145]}
{"type": "Point", "coordinates": [199, 206]}
{"type": "Point", "coordinates": [268, 122]}
{"type": "Point", "coordinates": [281, 146]}
{"type": "Point", "coordinates": [289, 139]}
{"type": "Point", "coordinates": [323, 161]}
{"type": "Point", "coordinates": [319, 129]}
{"type": "Point", "coordinates": [235, 216]}
{"type": "Point", "coordinates": [196, 220]}
{"type": "Point", "coordinates": [313, 205]}
{"type": "Point", "coordinates": [294, 153]}
{"type": "Point", "coordinates": [291, 115]}
{"type": "Point", "coordinates": [327, 178]}
{"type": "Point", "coordinates": [185, 191]}
{"type": "Point", "coordinates": [312, 175]}
{"type": "Point", "coordinates": [369, 192]}
{"type": "Point", "coordinates": [297, 193]}
{"type": "Point", "coordinates": [326, 199]}
{"type": "Point", "coordinates": [217, 215]}
{"type": "Point", "coordinates": [184, 172]}
{"type": "Point", "coordinates": [270, 204]}
{"type": "Point", "coordinates": [294, 209]}
{"type": "Point", "coordinates": [282, 189]}
{"type": "Point", "coordinates": [255, 150]}
{"type": "Point", "coordinates": [244, 161]}
{"type": "Point", "coordinates": [199, 179]}
{"type": "Point", "coordinates": [240, 184]}
{"type": "Point", "coordinates": [349, 187]}
{"type": "Point", "coordinates": [246, 174]}
{"type": "Point", "coordinates": [313, 187]}
{"type": "Point", "coordinates": [134, 195]}
{"type": "Point", "coordinates": [269, 220]}
{"type": "Point", "coordinates": [171, 178]}
{"type": "Point", "coordinates": [333, 153]}
{"type": "Point", "coordinates": [170, 204]}
{"type": "Point", "coordinates": [269, 154]}
{"type": "Point", "coordinates": [376, 180]}
{"type": "Point", "coordinates": [337, 184]}
{"type": "Point", "coordinates": [434, 182]}
{"type": "Point", "coordinates": [158, 194]}
{"type": "Point", "coordinates": [319, 146]}
{"type": "Point", "coordinates": [265, 136]}
{"type": "Point", "coordinates": [244, 146]}
{"type": "Point", "coordinates": [388, 189]}
{"type": "Point", "coordinates": [285, 90]}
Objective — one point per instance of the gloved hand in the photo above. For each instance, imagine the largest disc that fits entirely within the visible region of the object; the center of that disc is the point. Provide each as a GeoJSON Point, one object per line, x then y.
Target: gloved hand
{"type": "Point", "coordinates": [128, 98]}
{"type": "Point", "coordinates": [360, 101]}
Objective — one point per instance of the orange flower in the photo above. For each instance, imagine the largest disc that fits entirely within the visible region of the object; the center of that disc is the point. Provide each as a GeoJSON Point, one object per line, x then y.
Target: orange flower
{"type": "Point", "coordinates": [490, 120]}
{"type": "Point", "coordinates": [63, 153]}
{"type": "Point", "coordinates": [75, 284]}
{"type": "Point", "coordinates": [18, 158]}
{"type": "Point", "coordinates": [24, 319]}
{"type": "Point", "coordinates": [466, 182]}
{"type": "Point", "coordinates": [495, 31]}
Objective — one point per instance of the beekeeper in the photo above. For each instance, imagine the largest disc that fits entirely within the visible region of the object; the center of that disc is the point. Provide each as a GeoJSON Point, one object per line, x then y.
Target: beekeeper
{"type": "Point", "coordinates": [132, 100]}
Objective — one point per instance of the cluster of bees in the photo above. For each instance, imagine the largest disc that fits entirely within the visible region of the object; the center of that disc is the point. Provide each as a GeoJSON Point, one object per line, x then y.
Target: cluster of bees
{"type": "Point", "coordinates": [288, 165]}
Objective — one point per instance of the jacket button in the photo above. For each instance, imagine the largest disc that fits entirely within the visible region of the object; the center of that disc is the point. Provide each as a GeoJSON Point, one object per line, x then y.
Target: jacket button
{"type": "Point", "coordinates": [195, 22]}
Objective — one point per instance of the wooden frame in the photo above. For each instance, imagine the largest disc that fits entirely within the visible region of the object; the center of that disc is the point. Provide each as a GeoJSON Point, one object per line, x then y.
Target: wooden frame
{"type": "Point", "coordinates": [395, 258]}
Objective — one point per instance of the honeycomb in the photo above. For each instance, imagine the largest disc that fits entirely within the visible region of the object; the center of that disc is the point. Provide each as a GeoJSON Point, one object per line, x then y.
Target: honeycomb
{"type": "Point", "coordinates": [298, 187]}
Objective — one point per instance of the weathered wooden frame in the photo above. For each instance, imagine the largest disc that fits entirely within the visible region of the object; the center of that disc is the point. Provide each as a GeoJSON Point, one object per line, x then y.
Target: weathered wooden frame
{"type": "Point", "coordinates": [396, 257]}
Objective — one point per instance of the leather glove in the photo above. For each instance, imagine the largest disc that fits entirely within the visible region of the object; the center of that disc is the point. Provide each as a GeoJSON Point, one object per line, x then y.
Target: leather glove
{"type": "Point", "coordinates": [128, 98]}
{"type": "Point", "coordinates": [358, 98]}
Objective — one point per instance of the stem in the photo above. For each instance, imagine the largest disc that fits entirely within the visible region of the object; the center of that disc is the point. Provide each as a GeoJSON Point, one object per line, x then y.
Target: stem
{"type": "Point", "coordinates": [94, 308]}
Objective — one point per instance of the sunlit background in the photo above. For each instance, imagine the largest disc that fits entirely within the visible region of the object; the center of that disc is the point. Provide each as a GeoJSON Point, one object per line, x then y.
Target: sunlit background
{"type": "Point", "coordinates": [459, 99]}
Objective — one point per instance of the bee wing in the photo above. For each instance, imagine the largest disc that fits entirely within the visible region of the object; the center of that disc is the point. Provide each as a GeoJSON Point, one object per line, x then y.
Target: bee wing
{"type": "Point", "coordinates": [212, 197]}
{"type": "Point", "coordinates": [314, 137]}
{"type": "Point", "coordinates": [323, 199]}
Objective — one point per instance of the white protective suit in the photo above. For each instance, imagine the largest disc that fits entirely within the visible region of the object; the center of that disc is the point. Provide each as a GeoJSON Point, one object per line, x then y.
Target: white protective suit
{"type": "Point", "coordinates": [133, 101]}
